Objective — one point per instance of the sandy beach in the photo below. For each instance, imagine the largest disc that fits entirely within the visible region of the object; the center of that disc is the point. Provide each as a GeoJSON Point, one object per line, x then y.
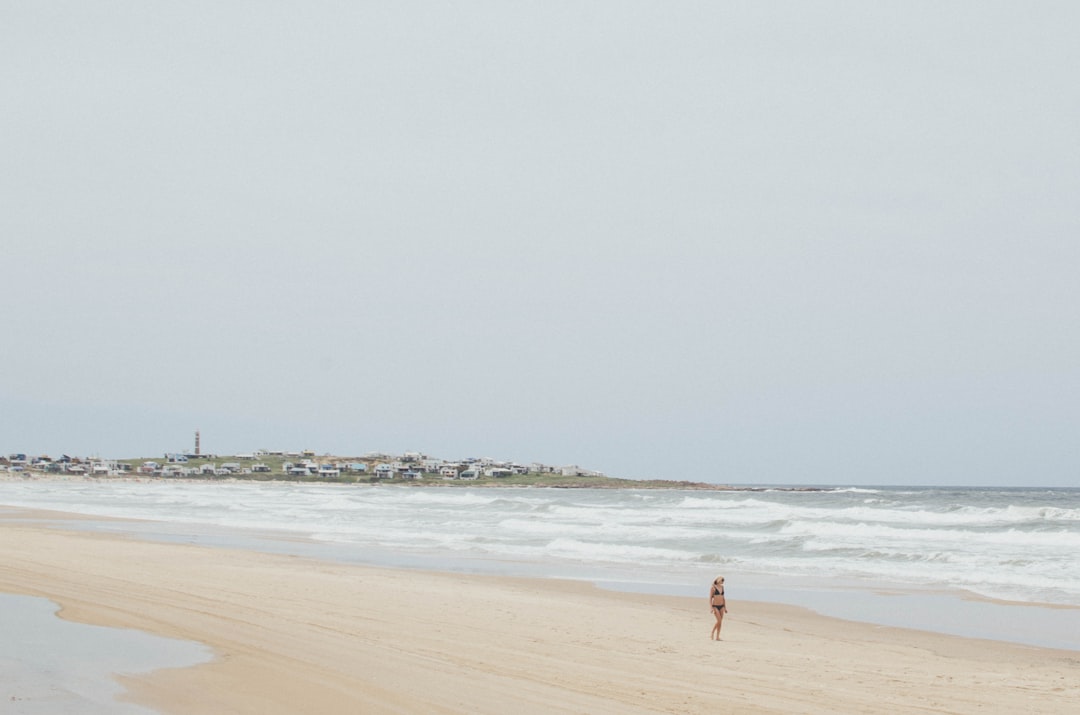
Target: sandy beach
{"type": "Point", "coordinates": [294, 635]}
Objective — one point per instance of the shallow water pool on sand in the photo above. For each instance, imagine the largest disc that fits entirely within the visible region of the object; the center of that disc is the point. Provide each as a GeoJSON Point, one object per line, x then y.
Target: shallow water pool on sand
{"type": "Point", "coordinates": [49, 666]}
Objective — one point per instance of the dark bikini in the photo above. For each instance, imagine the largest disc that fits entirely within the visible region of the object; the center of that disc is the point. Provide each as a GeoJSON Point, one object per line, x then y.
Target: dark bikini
{"type": "Point", "coordinates": [717, 592]}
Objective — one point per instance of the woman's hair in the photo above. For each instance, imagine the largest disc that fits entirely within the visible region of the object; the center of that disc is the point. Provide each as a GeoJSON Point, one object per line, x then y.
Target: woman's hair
{"type": "Point", "coordinates": [719, 579]}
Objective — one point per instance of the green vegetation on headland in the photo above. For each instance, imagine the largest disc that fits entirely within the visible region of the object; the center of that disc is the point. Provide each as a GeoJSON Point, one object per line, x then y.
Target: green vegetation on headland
{"type": "Point", "coordinates": [275, 468]}
{"type": "Point", "coordinates": [558, 481]}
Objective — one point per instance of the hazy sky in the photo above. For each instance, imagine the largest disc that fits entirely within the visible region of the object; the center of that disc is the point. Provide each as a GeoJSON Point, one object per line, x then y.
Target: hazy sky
{"type": "Point", "coordinates": [776, 242]}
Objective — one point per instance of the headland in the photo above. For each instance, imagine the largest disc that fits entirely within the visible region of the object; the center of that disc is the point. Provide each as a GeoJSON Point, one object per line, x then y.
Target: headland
{"type": "Point", "coordinates": [411, 469]}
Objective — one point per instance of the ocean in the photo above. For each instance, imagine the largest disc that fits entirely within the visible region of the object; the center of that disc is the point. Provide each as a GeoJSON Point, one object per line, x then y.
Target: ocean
{"type": "Point", "coordinates": [819, 547]}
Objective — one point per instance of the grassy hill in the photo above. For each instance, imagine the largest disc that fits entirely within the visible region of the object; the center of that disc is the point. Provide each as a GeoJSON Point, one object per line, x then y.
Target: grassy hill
{"type": "Point", "coordinates": [275, 465]}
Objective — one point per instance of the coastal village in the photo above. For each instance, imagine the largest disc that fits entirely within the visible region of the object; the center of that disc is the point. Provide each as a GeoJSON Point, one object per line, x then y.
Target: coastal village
{"type": "Point", "coordinates": [409, 468]}
{"type": "Point", "coordinates": [290, 465]}
{"type": "Point", "coordinates": [280, 464]}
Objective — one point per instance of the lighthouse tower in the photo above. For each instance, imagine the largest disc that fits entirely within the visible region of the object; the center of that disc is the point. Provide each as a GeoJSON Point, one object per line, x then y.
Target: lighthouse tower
{"type": "Point", "coordinates": [197, 452]}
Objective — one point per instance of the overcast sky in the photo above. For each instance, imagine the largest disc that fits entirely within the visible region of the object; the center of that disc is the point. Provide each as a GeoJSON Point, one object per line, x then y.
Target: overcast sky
{"type": "Point", "coordinates": [766, 242]}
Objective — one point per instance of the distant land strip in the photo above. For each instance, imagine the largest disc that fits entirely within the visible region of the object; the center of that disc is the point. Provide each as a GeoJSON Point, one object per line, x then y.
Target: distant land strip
{"type": "Point", "coordinates": [412, 469]}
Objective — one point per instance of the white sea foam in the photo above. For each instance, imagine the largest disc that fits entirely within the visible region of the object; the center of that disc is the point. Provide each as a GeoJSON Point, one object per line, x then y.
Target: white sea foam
{"type": "Point", "coordinates": [1018, 544]}
{"type": "Point", "coordinates": [618, 553]}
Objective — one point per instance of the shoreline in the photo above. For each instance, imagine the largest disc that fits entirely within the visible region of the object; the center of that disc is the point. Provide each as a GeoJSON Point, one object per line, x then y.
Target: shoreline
{"type": "Point", "coordinates": [294, 634]}
{"type": "Point", "coordinates": [947, 612]}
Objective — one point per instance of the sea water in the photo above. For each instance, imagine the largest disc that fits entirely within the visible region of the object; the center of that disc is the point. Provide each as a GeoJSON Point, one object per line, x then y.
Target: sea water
{"type": "Point", "coordinates": [794, 545]}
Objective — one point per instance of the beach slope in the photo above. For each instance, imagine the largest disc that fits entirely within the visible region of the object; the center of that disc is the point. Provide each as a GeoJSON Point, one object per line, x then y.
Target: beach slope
{"type": "Point", "coordinates": [294, 635]}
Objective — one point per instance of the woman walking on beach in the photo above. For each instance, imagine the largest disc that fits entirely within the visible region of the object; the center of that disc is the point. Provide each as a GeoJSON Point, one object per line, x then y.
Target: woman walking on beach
{"type": "Point", "coordinates": [718, 605]}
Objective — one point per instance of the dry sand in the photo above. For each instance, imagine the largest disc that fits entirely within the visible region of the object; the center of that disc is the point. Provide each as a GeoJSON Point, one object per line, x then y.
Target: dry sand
{"type": "Point", "coordinates": [294, 635]}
